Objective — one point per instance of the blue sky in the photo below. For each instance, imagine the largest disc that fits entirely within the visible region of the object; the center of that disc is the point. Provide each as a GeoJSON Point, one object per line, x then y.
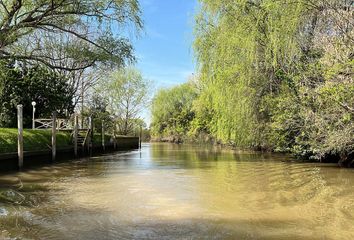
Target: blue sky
{"type": "Point", "coordinates": [164, 49]}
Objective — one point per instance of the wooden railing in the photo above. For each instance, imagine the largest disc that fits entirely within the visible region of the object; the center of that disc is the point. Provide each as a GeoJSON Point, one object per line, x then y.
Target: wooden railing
{"type": "Point", "coordinates": [62, 124]}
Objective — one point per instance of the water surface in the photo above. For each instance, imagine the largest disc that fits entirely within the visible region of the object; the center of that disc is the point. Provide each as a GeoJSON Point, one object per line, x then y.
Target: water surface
{"type": "Point", "coordinates": [170, 191]}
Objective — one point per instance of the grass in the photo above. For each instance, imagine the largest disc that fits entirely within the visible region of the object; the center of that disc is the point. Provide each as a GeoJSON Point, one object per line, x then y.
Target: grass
{"type": "Point", "coordinates": [36, 140]}
{"type": "Point", "coordinates": [33, 140]}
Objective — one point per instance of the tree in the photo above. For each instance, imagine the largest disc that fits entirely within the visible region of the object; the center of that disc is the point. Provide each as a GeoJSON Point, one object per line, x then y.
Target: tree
{"type": "Point", "coordinates": [172, 112]}
{"type": "Point", "coordinates": [277, 75]}
{"type": "Point", "coordinates": [73, 55]}
{"type": "Point", "coordinates": [23, 85]}
{"type": "Point", "coordinates": [127, 94]}
{"type": "Point", "coordinates": [98, 110]}
{"type": "Point", "coordinates": [26, 26]}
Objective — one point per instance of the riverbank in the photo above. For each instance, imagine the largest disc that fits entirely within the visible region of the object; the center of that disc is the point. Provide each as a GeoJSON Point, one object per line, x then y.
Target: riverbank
{"type": "Point", "coordinates": [38, 140]}
{"type": "Point", "coordinates": [37, 147]}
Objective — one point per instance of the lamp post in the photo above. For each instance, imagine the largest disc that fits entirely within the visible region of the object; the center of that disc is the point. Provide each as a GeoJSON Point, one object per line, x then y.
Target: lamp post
{"type": "Point", "coordinates": [34, 110]}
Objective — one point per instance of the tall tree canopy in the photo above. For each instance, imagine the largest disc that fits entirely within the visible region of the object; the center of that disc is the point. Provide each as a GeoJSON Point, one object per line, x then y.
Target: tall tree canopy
{"type": "Point", "coordinates": [23, 85]}
{"type": "Point", "coordinates": [87, 30]}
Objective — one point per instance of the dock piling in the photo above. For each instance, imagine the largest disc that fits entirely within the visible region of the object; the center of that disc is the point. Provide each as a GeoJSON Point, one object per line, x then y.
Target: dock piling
{"type": "Point", "coordinates": [140, 136]}
{"type": "Point", "coordinates": [20, 135]}
{"type": "Point", "coordinates": [103, 137]}
{"type": "Point", "coordinates": [54, 136]}
{"type": "Point", "coordinates": [76, 123]}
{"type": "Point", "coordinates": [114, 140]}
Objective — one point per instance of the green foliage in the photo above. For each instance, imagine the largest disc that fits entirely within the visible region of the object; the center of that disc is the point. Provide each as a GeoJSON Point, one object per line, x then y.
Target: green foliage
{"type": "Point", "coordinates": [126, 93]}
{"type": "Point", "coordinates": [239, 44]}
{"type": "Point", "coordinates": [98, 111]}
{"type": "Point", "coordinates": [172, 112]}
{"type": "Point", "coordinates": [24, 85]}
{"type": "Point", "coordinates": [65, 28]}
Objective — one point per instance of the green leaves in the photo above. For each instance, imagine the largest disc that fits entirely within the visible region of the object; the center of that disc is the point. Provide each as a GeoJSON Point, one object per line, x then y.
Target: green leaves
{"type": "Point", "coordinates": [277, 74]}
{"type": "Point", "coordinates": [172, 112]}
{"type": "Point", "coordinates": [92, 24]}
{"type": "Point", "coordinates": [127, 94]}
{"type": "Point", "coordinates": [22, 86]}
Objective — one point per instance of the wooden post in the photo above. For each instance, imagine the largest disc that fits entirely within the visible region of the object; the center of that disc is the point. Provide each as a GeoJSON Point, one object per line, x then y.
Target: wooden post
{"type": "Point", "coordinates": [76, 130]}
{"type": "Point", "coordinates": [140, 136]}
{"type": "Point", "coordinates": [20, 135]}
{"type": "Point", "coordinates": [54, 136]}
{"type": "Point", "coordinates": [58, 123]}
{"type": "Point", "coordinates": [92, 134]}
{"type": "Point", "coordinates": [89, 135]}
{"type": "Point", "coordinates": [103, 137]}
{"type": "Point", "coordinates": [114, 140]}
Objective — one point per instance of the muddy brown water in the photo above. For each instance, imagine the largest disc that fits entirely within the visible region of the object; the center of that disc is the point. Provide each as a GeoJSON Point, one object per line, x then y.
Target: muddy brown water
{"type": "Point", "coordinates": [170, 191]}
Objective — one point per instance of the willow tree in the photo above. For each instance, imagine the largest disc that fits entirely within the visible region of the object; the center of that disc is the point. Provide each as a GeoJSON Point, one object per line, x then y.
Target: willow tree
{"type": "Point", "coordinates": [278, 74]}
{"type": "Point", "coordinates": [240, 45]}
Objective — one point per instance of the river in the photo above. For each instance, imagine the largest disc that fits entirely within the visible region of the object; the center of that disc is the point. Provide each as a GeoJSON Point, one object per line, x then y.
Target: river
{"type": "Point", "coordinates": [168, 191]}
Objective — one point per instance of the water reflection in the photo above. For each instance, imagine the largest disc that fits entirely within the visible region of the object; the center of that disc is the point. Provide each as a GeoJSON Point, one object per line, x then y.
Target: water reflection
{"type": "Point", "coordinates": [179, 192]}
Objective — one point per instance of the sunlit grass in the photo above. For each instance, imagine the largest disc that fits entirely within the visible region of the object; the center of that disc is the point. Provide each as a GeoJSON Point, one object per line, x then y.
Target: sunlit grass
{"type": "Point", "coordinates": [34, 140]}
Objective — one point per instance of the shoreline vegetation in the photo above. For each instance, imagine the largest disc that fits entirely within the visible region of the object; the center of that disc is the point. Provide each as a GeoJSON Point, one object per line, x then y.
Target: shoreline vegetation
{"type": "Point", "coordinates": [270, 77]}
{"type": "Point", "coordinates": [37, 140]}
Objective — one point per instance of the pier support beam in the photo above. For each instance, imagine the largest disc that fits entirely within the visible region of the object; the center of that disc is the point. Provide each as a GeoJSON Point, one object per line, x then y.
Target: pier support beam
{"type": "Point", "coordinates": [54, 136]}
{"type": "Point", "coordinates": [76, 130]}
{"type": "Point", "coordinates": [103, 137]}
{"type": "Point", "coordinates": [114, 140]}
{"type": "Point", "coordinates": [89, 140]}
{"type": "Point", "coordinates": [140, 136]}
{"type": "Point", "coordinates": [92, 134]}
{"type": "Point", "coordinates": [20, 136]}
